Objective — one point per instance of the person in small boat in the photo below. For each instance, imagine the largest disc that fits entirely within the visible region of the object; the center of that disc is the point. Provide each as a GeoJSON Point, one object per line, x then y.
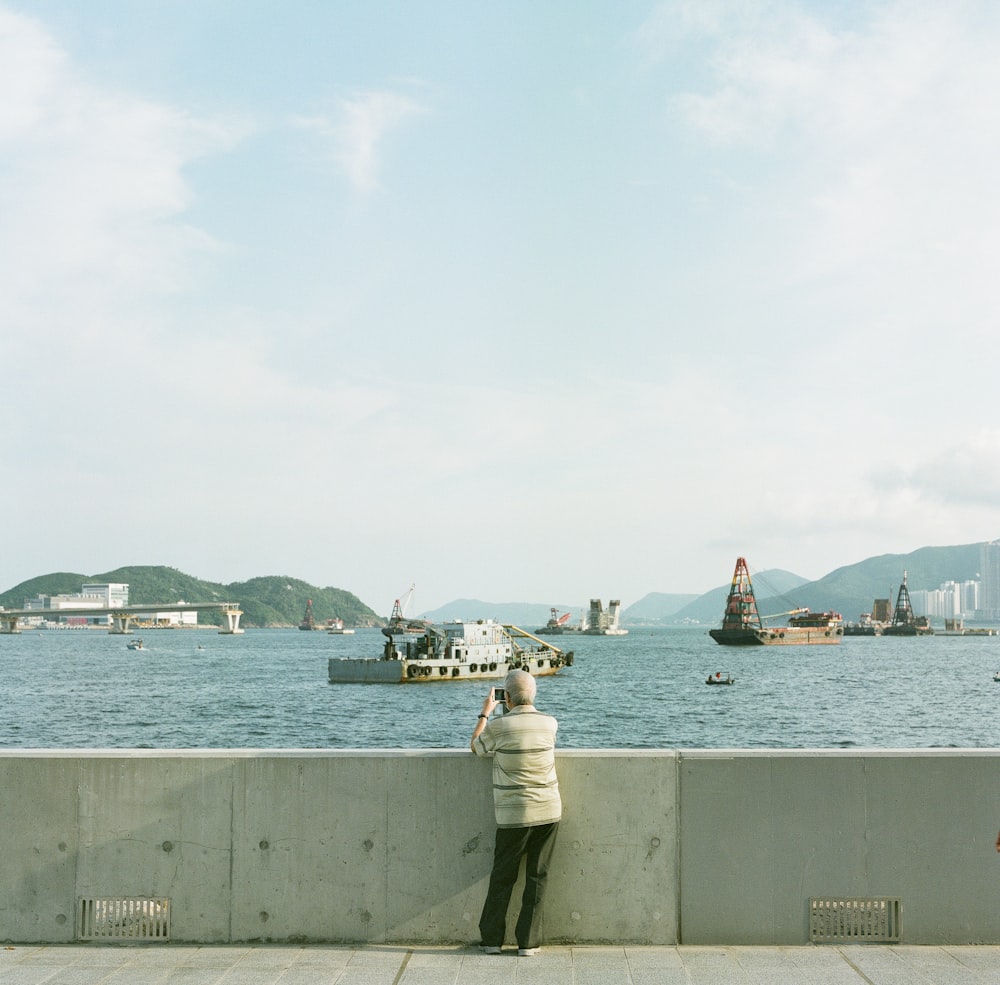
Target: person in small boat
{"type": "Point", "coordinates": [527, 806]}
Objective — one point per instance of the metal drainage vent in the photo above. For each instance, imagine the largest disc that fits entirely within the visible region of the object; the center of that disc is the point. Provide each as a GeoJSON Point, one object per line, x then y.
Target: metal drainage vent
{"type": "Point", "coordinates": [130, 918]}
{"type": "Point", "coordinates": [854, 918]}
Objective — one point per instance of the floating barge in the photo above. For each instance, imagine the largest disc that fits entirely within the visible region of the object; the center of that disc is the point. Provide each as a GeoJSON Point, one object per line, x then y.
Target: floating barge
{"type": "Point", "coordinates": [559, 625]}
{"type": "Point", "coordinates": [452, 651]}
{"type": "Point", "coordinates": [904, 622]}
{"type": "Point", "coordinates": [742, 624]}
{"type": "Point", "coordinates": [596, 623]}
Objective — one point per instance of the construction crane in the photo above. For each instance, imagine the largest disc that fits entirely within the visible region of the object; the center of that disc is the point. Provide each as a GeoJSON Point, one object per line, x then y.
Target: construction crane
{"type": "Point", "coordinates": [790, 612]}
{"type": "Point", "coordinates": [399, 606]}
{"type": "Point", "coordinates": [558, 620]}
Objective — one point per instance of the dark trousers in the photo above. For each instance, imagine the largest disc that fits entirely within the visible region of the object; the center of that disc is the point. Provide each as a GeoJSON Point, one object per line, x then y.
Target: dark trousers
{"type": "Point", "coordinates": [535, 844]}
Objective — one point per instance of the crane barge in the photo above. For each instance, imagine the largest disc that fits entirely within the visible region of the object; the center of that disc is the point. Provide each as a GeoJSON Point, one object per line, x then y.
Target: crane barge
{"type": "Point", "coordinates": [742, 624]}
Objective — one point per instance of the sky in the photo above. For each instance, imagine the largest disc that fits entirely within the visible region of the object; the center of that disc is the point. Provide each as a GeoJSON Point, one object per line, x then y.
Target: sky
{"type": "Point", "coordinates": [515, 302]}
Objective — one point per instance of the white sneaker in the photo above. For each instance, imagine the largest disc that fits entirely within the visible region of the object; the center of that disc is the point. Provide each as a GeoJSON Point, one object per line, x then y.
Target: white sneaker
{"type": "Point", "coordinates": [527, 952]}
{"type": "Point", "coordinates": [486, 949]}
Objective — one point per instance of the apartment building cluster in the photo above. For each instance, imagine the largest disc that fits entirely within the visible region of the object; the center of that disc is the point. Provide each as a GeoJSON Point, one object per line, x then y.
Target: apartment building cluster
{"type": "Point", "coordinates": [989, 572]}
{"type": "Point", "coordinates": [975, 599]}
{"type": "Point", "coordinates": [953, 600]}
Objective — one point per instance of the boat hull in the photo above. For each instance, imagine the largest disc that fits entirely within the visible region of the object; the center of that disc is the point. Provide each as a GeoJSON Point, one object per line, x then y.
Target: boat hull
{"type": "Point", "coordinates": [783, 636]}
{"type": "Point", "coordinates": [455, 651]}
{"type": "Point", "coordinates": [742, 624]}
{"type": "Point", "coordinates": [547, 631]}
{"type": "Point", "coordinates": [862, 630]}
{"type": "Point", "coordinates": [378, 670]}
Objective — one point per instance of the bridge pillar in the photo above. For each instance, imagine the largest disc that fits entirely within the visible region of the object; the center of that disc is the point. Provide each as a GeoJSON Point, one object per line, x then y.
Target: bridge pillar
{"type": "Point", "coordinates": [119, 623]}
{"type": "Point", "coordinates": [231, 613]}
{"type": "Point", "coordinates": [9, 625]}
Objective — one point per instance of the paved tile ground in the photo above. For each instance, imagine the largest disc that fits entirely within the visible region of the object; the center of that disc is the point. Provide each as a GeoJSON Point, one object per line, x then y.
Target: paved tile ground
{"type": "Point", "coordinates": [827, 964]}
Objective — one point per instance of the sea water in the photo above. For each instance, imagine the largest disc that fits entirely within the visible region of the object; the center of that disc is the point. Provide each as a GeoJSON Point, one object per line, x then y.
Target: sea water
{"type": "Point", "coordinates": [269, 689]}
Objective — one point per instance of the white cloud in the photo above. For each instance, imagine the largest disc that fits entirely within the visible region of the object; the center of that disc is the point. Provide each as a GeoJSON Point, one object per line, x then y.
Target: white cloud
{"type": "Point", "coordinates": [30, 62]}
{"type": "Point", "coordinates": [965, 475]}
{"type": "Point", "coordinates": [917, 77]}
{"type": "Point", "coordinates": [93, 193]}
{"type": "Point", "coordinates": [358, 130]}
{"type": "Point", "coordinates": [869, 144]}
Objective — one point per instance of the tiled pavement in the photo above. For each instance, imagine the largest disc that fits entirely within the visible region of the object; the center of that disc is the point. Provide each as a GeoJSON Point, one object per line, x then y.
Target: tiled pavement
{"type": "Point", "coordinates": [827, 964]}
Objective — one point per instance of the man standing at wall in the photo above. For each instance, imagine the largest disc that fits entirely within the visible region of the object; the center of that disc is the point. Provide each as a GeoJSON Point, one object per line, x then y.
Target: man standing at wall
{"type": "Point", "coordinates": [526, 801]}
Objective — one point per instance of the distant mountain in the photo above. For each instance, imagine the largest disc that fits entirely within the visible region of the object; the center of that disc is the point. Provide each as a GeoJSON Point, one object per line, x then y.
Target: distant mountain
{"type": "Point", "coordinates": [852, 589]}
{"type": "Point", "coordinates": [280, 601]}
{"type": "Point", "coordinates": [527, 615]}
{"type": "Point", "coordinates": [271, 601]}
{"type": "Point", "coordinates": [849, 590]}
{"type": "Point", "coordinates": [707, 608]}
{"type": "Point", "coordinates": [655, 608]}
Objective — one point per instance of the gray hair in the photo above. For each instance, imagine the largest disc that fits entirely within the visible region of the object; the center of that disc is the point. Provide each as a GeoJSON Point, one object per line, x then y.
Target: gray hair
{"type": "Point", "coordinates": [520, 687]}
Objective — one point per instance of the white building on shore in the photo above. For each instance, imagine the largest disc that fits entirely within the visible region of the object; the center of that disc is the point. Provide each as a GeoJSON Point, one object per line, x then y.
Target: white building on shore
{"type": "Point", "coordinates": [989, 572]}
{"type": "Point", "coordinates": [58, 608]}
{"type": "Point", "coordinates": [953, 600]}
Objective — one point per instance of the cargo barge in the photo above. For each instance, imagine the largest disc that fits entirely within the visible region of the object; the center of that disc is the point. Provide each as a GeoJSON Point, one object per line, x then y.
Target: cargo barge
{"type": "Point", "coordinates": [742, 624]}
{"type": "Point", "coordinates": [452, 651]}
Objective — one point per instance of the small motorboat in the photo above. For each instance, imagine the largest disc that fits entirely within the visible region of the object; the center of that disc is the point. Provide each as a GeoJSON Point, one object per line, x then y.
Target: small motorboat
{"type": "Point", "coordinates": [718, 678]}
{"type": "Point", "coordinates": [996, 677]}
{"type": "Point", "coordinates": [135, 645]}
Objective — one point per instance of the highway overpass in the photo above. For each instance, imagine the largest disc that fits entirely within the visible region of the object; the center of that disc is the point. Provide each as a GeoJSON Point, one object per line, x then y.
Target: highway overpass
{"type": "Point", "coordinates": [121, 617]}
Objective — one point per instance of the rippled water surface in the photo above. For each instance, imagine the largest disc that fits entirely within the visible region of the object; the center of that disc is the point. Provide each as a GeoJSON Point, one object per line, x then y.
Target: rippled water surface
{"type": "Point", "coordinates": [269, 689]}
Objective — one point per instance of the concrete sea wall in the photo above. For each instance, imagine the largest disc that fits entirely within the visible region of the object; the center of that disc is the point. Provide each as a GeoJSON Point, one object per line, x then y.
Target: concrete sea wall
{"type": "Point", "coordinates": [656, 846]}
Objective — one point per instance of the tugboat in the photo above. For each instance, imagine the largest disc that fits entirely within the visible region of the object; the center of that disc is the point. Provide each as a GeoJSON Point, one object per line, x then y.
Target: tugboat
{"type": "Point", "coordinates": [452, 651]}
{"type": "Point", "coordinates": [742, 624]}
{"type": "Point", "coordinates": [904, 622]}
{"type": "Point", "coordinates": [335, 627]}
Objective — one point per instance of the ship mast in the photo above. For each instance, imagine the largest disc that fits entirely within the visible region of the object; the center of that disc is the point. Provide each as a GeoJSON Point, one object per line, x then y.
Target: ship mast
{"type": "Point", "coordinates": [903, 616]}
{"type": "Point", "coordinates": [308, 621]}
{"type": "Point", "coordinates": [741, 605]}
{"type": "Point", "coordinates": [399, 607]}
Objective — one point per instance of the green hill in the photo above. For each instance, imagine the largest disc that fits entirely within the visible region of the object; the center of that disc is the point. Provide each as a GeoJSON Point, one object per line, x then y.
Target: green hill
{"type": "Point", "coordinates": [655, 608]}
{"type": "Point", "coordinates": [275, 601]}
{"type": "Point", "coordinates": [707, 608]}
{"type": "Point", "coordinates": [849, 590]}
{"type": "Point", "coordinates": [271, 601]}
